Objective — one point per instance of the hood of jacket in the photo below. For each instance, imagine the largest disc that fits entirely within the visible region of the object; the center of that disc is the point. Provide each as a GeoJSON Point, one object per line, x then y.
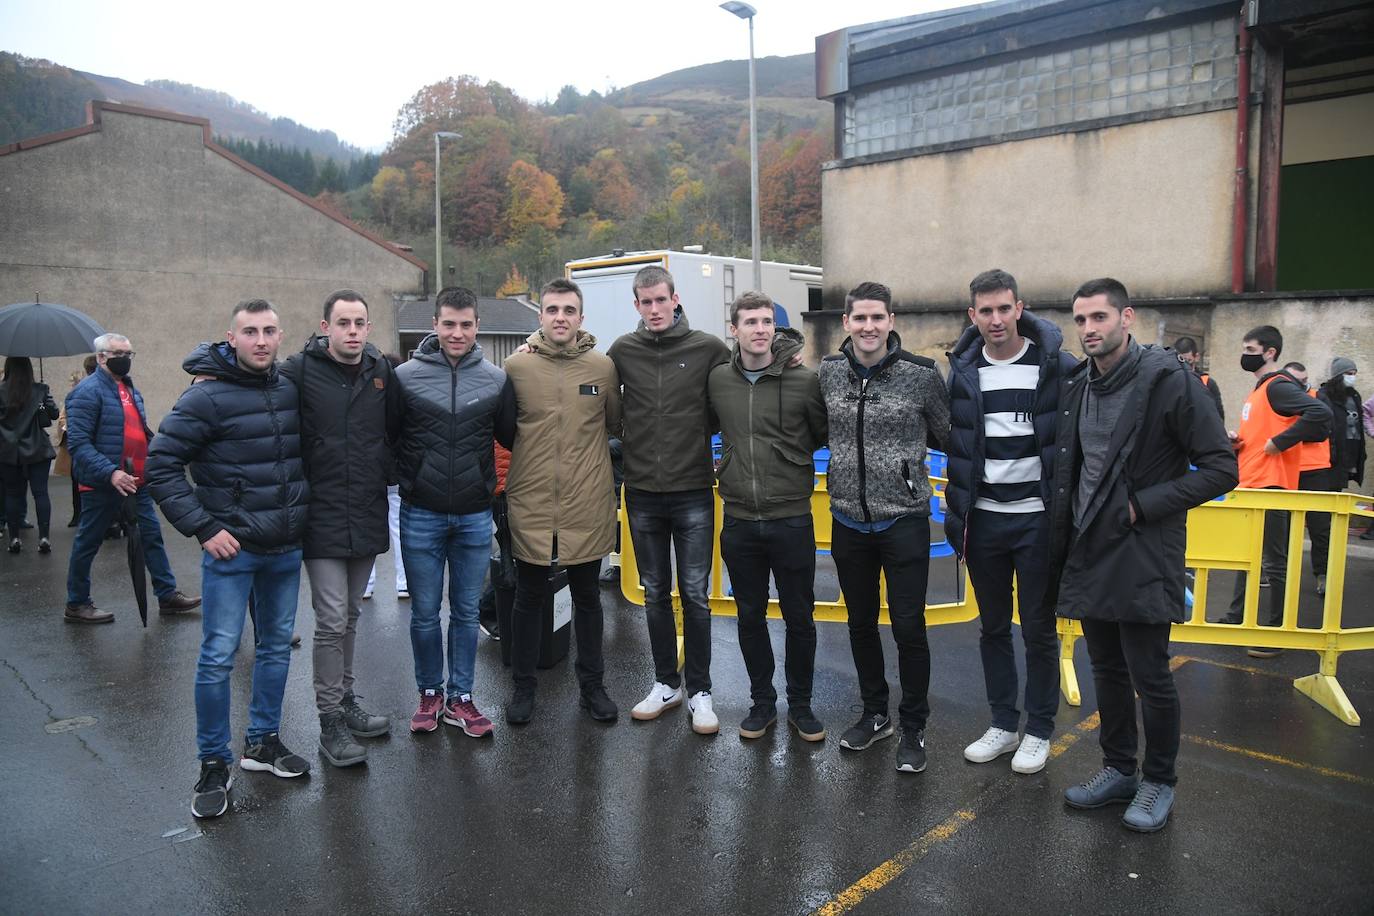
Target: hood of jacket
{"type": "Point", "coordinates": [894, 345]}
{"type": "Point", "coordinates": [220, 361]}
{"type": "Point", "coordinates": [318, 347]}
{"type": "Point", "coordinates": [787, 343]}
{"type": "Point", "coordinates": [431, 351]}
{"type": "Point", "coordinates": [675, 331]}
{"type": "Point", "coordinates": [582, 342]}
{"type": "Point", "coordinates": [1044, 334]}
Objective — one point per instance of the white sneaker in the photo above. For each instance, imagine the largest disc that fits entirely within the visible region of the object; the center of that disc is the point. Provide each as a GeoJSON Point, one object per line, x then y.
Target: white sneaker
{"type": "Point", "coordinates": [994, 743]}
{"type": "Point", "coordinates": [660, 697]}
{"type": "Point", "coordinates": [704, 721]}
{"type": "Point", "coordinates": [367, 593]}
{"type": "Point", "coordinates": [1031, 755]}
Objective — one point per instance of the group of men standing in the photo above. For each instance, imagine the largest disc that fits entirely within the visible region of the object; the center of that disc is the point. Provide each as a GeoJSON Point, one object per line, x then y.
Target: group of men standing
{"type": "Point", "coordinates": [1069, 483]}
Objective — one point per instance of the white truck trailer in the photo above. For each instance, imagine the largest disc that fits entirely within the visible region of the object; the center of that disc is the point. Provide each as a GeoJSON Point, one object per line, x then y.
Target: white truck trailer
{"type": "Point", "coordinates": [706, 285]}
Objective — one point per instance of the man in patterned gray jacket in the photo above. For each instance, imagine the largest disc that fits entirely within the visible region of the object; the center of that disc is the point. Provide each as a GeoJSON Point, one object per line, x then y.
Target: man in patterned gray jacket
{"type": "Point", "coordinates": [884, 404]}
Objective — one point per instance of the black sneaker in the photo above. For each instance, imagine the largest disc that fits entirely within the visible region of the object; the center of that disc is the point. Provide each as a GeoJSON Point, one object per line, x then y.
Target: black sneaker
{"type": "Point", "coordinates": [269, 755]}
{"type": "Point", "coordinates": [761, 717]}
{"type": "Point", "coordinates": [212, 789]}
{"type": "Point", "coordinates": [864, 732]}
{"type": "Point", "coordinates": [520, 709]}
{"type": "Point", "coordinates": [806, 724]}
{"type": "Point", "coordinates": [598, 705]}
{"type": "Point", "coordinates": [911, 752]}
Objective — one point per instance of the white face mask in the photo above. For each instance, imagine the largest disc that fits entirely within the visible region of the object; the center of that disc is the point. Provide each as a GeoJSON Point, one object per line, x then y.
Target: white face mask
{"type": "Point", "coordinates": [1349, 379]}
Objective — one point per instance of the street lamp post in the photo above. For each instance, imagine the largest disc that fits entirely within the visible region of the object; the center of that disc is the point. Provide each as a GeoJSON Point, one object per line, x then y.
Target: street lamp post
{"type": "Point", "coordinates": [745, 11]}
{"type": "Point", "coordinates": [438, 233]}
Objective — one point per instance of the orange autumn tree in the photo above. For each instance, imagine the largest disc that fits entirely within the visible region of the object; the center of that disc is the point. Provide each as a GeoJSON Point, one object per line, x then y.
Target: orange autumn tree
{"type": "Point", "coordinates": [535, 199]}
{"type": "Point", "coordinates": [514, 284]}
{"type": "Point", "coordinates": [790, 185]}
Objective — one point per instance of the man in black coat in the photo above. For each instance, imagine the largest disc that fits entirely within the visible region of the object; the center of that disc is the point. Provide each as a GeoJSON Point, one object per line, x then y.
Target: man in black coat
{"type": "Point", "coordinates": [1131, 421]}
{"type": "Point", "coordinates": [238, 430]}
{"type": "Point", "coordinates": [1004, 382]}
{"type": "Point", "coordinates": [349, 416]}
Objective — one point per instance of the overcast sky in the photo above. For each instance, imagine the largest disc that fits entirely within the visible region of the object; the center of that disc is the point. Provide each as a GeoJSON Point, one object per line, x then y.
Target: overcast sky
{"type": "Point", "coordinates": [348, 66]}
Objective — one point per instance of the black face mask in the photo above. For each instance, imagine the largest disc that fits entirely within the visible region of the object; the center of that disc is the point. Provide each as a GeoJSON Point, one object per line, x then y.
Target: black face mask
{"type": "Point", "coordinates": [1251, 362]}
{"type": "Point", "coordinates": [119, 365]}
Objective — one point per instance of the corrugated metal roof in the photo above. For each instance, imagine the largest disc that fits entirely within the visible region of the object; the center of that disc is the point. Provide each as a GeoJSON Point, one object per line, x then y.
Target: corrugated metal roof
{"type": "Point", "coordinates": [498, 316]}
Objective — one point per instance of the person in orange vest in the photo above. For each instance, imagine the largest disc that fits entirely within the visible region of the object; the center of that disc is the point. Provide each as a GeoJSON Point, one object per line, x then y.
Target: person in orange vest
{"type": "Point", "coordinates": [1315, 473]}
{"type": "Point", "coordinates": [1278, 414]}
{"type": "Point", "coordinates": [1187, 350]}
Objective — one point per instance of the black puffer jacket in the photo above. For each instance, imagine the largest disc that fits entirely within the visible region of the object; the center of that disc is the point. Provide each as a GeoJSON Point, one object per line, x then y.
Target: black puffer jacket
{"type": "Point", "coordinates": [450, 415]}
{"type": "Point", "coordinates": [239, 432]}
{"type": "Point", "coordinates": [347, 421]}
{"type": "Point", "coordinates": [966, 447]}
{"type": "Point", "coordinates": [1111, 569]}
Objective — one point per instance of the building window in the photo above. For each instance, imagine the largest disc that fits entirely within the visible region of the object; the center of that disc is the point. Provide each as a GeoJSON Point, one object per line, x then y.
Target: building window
{"type": "Point", "coordinates": [1156, 71]}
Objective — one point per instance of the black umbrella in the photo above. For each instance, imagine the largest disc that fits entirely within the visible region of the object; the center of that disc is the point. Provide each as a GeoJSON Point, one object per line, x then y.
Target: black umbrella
{"type": "Point", "coordinates": [133, 545]}
{"type": "Point", "coordinates": [39, 329]}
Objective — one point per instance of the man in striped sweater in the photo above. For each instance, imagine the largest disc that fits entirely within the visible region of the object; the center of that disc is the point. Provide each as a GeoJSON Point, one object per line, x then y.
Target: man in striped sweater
{"type": "Point", "coordinates": [1004, 397]}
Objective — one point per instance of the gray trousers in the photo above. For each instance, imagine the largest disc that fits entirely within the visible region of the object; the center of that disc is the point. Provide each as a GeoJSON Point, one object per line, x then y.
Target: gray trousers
{"type": "Point", "coordinates": [336, 591]}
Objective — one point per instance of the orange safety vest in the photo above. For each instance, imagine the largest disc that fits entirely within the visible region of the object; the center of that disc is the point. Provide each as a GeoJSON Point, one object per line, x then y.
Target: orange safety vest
{"type": "Point", "coordinates": [1258, 424]}
{"type": "Point", "coordinates": [1313, 456]}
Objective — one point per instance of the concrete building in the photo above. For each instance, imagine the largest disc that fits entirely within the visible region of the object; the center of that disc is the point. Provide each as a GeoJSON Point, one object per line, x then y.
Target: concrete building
{"type": "Point", "coordinates": [503, 324]}
{"type": "Point", "coordinates": [1220, 164]}
{"type": "Point", "coordinates": [141, 221]}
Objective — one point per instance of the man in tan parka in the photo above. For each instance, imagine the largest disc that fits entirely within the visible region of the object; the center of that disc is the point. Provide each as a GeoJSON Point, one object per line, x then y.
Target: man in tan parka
{"type": "Point", "coordinates": [559, 491]}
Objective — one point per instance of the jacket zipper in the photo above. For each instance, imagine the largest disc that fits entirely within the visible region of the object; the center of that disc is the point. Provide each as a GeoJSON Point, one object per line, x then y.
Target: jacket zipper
{"type": "Point", "coordinates": [562, 414]}
{"type": "Point", "coordinates": [753, 462]}
{"type": "Point", "coordinates": [452, 420]}
{"type": "Point", "coordinates": [859, 435]}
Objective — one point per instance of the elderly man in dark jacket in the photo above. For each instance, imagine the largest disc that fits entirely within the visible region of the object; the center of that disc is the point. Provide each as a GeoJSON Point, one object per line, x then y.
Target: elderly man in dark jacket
{"type": "Point", "coordinates": [349, 416]}
{"type": "Point", "coordinates": [1004, 381]}
{"type": "Point", "coordinates": [238, 430]}
{"type": "Point", "coordinates": [107, 432]}
{"type": "Point", "coordinates": [1131, 421]}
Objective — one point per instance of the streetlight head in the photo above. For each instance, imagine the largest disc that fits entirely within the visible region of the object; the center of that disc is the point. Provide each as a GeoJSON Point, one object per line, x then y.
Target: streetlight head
{"type": "Point", "coordinates": [447, 134]}
{"type": "Point", "coordinates": [742, 10]}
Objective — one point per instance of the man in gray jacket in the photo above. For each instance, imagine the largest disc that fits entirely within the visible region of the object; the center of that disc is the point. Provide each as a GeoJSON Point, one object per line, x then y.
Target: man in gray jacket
{"type": "Point", "coordinates": [883, 403]}
{"type": "Point", "coordinates": [771, 417]}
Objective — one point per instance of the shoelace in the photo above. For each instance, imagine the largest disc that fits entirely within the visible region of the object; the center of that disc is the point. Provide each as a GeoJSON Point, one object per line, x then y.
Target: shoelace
{"type": "Point", "coordinates": [1147, 795]}
{"type": "Point", "coordinates": [990, 740]}
{"type": "Point", "coordinates": [430, 704]}
{"type": "Point", "coordinates": [1101, 779]}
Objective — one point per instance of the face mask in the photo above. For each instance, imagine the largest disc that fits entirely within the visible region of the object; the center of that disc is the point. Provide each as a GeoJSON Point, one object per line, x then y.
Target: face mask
{"type": "Point", "coordinates": [119, 365]}
{"type": "Point", "coordinates": [1349, 379]}
{"type": "Point", "coordinates": [1251, 362]}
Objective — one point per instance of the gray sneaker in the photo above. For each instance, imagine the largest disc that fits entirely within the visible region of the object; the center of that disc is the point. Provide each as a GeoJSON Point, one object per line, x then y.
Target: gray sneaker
{"type": "Point", "coordinates": [1108, 787]}
{"type": "Point", "coordinates": [361, 722]}
{"type": "Point", "coordinates": [336, 742]}
{"type": "Point", "coordinates": [1149, 810]}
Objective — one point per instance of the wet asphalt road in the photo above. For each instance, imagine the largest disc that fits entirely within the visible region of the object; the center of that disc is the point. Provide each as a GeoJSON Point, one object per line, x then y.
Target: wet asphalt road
{"type": "Point", "coordinates": [1274, 812]}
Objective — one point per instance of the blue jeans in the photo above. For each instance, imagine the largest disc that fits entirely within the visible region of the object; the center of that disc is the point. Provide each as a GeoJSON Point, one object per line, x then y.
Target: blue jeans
{"type": "Point", "coordinates": [661, 524]}
{"type": "Point", "coordinates": [429, 542]}
{"type": "Point", "coordinates": [99, 509]}
{"type": "Point", "coordinates": [273, 580]}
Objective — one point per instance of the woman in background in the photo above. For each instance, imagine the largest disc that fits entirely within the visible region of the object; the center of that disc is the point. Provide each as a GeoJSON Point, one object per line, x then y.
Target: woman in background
{"type": "Point", "coordinates": [26, 452]}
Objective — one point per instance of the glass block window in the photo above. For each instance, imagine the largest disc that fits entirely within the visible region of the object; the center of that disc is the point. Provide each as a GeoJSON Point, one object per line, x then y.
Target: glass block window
{"type": "Point", "coordinates": [1171, 68]}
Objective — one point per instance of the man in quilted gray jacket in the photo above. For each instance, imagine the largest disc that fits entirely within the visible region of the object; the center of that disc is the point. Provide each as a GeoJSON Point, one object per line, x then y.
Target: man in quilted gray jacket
{"type": "Point", "coordinates": [883, 404]}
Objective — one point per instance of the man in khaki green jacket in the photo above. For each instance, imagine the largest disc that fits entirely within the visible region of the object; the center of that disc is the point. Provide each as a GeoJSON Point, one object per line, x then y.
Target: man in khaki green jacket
{"type": "Point", "coordinates": [772, 417]}
{"type": "Point", "coordinates": [559, 491]}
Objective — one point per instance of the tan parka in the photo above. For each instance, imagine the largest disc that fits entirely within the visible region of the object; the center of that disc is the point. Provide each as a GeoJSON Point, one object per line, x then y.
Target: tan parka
{"type": "Point", "coordinates": [567, 406]}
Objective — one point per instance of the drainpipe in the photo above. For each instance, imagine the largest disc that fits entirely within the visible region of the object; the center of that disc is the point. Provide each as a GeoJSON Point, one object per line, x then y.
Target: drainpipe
{"type": "Point", "coordinates": [1242, 191]}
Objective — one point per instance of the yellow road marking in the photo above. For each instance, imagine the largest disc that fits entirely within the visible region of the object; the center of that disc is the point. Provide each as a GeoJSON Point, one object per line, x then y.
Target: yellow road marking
{"type": "Point", "coordinates": [1284, 761]}
{"type": "Point", "coordinates": [1233, 666]}
{"type": "Point", "coordinates": [883, 875]}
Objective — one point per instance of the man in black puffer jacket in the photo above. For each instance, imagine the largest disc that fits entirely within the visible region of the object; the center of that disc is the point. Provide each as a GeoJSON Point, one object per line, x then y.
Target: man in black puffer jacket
{"type": "Point", "coordinates": [1004, 380]}
{"type": "Point", "coordinates": [238, 429]}
{"type": "Point", "coordinates": [350, 413]}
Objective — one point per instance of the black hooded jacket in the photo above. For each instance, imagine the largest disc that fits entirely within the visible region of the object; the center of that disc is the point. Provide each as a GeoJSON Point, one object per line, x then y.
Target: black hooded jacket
{"type": "Point", "coordinates": [967, 450]}
{"type": "Point", "coordinates": [1347, 455]}
{"type": "Point", "coordinates": [239, 432]}
{"type": "Point", "coordinates": [1108, 568]}
{"type": "Point", "coordinates": [348, 420]}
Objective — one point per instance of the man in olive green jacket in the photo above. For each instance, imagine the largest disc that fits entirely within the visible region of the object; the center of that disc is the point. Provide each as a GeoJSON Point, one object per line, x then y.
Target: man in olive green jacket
{"type": "Point", "coordinates": [559, 491]}
{"type": "Point", "coordinates": [772, 417]}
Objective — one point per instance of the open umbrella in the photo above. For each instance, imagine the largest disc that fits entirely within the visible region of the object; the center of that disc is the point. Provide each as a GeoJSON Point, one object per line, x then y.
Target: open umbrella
{"type": "Point", "coordinates": [133, 545]}
{"type": "Point", "coordinates": [39, 329]}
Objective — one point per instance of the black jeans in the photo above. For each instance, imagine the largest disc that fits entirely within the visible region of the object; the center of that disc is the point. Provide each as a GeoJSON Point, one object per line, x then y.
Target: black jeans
{"type": "Point", "coordinates": [19, 480]}
{"type": "Point", "coordinates": [1273, 566]}
{"type": "Point", "coordinates": [532, 585]}
{"type": "Point", "coordinates": [1000, 544]}
{"type": "Point", "coordinates": [1131, 658]}
{"type": "Point", "coordinates": [787, 548]}
{"type": "Point", "coordinates": [902, 554]}
{"type": "Point", "coordinates": [662, 524]}
{"type": "Point", "coordinates": [1327, 480]}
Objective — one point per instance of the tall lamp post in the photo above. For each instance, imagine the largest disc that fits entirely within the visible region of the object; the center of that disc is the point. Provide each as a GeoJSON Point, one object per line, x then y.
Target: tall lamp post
{"type": "Point", "coordinates": [745, 11]}
{"type": "Point", "coordinates": [438, 233]}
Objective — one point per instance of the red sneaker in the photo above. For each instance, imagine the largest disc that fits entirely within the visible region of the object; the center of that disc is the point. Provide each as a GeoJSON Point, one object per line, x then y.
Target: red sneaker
{"type": "Point", "coordinates": [426, 718]}
{"type": "Point", "coordinates": [463, 713]}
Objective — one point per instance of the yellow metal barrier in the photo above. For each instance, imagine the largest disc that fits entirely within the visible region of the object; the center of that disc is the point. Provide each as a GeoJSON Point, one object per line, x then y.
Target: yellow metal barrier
{"type": "Point", "coordinates": [1226, 534]}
